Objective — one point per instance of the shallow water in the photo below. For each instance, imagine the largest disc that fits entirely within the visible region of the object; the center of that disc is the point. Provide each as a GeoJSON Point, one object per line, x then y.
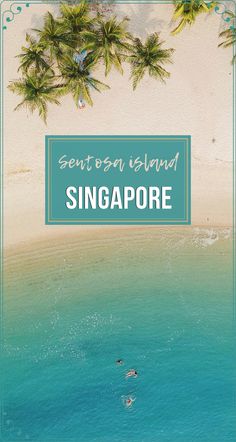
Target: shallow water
{"type": "Point", "coordinates": [160, 300]}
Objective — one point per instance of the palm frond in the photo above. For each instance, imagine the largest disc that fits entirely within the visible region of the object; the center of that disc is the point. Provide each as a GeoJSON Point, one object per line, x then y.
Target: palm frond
{"type": "Point", "coordinates": [55, 37]}
{"type": "Point", "coordinates": [109, 41]}
{"type": "Point", "coordinates": [149, 57]}
{"type": "Point", "coordinates": [37, 90]}
{"type": "Point", "coordinates": [229, 36]}
{"type": "Point", "coordinates": [76, 18]}
{"type": "Point", "coordinates": [33, 55]}
{"type": "Point", "coordinates": [187, 12]}
{"type": "Point", "coordinates": [78, 80]}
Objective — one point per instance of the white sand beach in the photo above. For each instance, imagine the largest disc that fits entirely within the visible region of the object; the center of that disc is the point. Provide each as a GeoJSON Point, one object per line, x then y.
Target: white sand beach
{"type": "Point", "coordinates": [196, 100]}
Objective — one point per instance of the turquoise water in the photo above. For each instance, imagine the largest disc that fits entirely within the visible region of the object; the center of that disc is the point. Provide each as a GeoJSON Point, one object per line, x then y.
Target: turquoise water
{"type": "Point", "coordinates": [160, 300]}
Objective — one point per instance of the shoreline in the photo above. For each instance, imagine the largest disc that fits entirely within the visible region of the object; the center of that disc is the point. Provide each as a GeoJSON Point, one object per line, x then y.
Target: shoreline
{"type": "Point", "coordinates": [50, 239]}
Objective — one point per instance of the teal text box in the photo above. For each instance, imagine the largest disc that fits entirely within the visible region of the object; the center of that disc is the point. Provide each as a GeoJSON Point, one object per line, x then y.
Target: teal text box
{"type": "Point", "coordinates": [160, 160]}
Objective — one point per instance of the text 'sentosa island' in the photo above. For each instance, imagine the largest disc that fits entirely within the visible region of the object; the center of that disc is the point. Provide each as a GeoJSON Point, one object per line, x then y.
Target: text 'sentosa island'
{"type": "Point", "coordinates": [107, 163]}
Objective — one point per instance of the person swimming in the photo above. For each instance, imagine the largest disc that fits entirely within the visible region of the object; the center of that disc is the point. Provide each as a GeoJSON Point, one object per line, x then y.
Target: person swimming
{"type": "Point", "coordinates": [119, 362]}
{"type": "Point", "coordinates": [128, 401]}
{"type": "Point", "coordinates": [132, 373]}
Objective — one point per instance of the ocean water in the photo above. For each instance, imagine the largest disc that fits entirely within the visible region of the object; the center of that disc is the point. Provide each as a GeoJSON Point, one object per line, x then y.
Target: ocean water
{"type": "Point", "coordinates": [162, 300]}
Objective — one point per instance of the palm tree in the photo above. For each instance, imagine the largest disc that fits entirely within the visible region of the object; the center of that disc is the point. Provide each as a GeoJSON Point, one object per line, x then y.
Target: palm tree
{"type": "Point", "coordinates": [149, 58]}
{"type": "Point", "coordinates": [230, 36]}
{"type": "Point", "coordinates": [109, 41]}
{"type": "Point", "coordinates": [55, 37]}
{"type": "Point", "coordinates": [77, 79]}
{"type": "Point", "coordinates": [37, 90]}
{"type": "Point", "coordinates": [68, 48]}
{"type": "Point", "coordinates": [188, 10]}
{"type": "Point", "coordinates": [76, 18]}
{"type": "Point", "coordinates": [33, 55]}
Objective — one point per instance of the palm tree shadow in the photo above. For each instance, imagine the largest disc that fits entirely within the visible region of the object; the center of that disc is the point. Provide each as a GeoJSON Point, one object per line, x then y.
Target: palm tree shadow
{"type": "Point", "coordinates": [143, 21]}
{"type": "Point", "coordinates": [37, 20]}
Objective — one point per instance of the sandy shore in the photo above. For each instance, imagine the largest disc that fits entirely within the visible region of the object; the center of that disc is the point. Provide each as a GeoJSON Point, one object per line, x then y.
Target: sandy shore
{"type": "Point", "coordinates": [197, 100]}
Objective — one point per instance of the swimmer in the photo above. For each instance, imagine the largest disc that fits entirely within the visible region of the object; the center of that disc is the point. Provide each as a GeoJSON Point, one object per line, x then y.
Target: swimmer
{"type": "Point", "coordinates": [119, 362]}
{"type": "Point", "coordinates": [128, 401]}
{"type": "Point", "coordinates": [132, 373]}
